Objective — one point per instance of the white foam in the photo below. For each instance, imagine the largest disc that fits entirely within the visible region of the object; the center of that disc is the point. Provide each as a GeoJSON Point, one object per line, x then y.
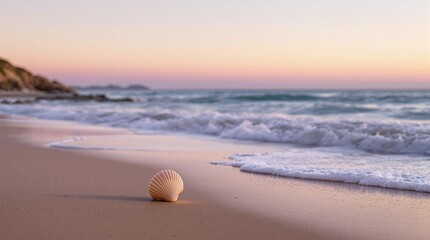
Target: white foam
{"type": "Point", "coordinates": [377, 136]}
{"type": "Point", "coordinates": [64, 143]}
{"type": "Point", "coordinates": [387, 171]}
{"type": "Point", "coordinates": [67, 144]}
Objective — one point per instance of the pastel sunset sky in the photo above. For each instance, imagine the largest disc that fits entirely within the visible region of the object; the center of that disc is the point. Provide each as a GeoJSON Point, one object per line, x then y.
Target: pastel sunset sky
{"type": "Point", "coordinates": [222, 43]}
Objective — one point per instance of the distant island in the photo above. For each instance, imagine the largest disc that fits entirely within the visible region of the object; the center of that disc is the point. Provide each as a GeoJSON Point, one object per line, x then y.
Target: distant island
{"type": "Point", "coordinates": [133, 87]}
{"type": "Point", "coordinates": [17, 79]}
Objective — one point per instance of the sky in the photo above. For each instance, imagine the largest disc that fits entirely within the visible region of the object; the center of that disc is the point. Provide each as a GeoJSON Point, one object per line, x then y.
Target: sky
{"type": "Point", "coordinates": [222, 43]}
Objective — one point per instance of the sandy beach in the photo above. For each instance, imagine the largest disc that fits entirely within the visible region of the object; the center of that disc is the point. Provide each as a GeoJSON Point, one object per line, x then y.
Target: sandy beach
{"type": "Point", "coordinates": [52, 193]}
{"type": "Point", "coordinates": [256, 120]}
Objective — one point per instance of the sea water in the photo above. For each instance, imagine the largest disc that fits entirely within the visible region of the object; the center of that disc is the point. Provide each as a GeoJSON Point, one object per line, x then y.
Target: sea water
{"type": "Point", "coordinates": [377, 138]}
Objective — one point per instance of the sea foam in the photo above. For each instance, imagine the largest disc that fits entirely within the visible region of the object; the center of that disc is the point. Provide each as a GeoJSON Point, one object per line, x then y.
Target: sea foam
{"type": "Point", "coordinates": [67, 143]}
{"type": "Point", "coordinates": [376, 136]}
{"type": "Point", "coordinates": [387, 171]}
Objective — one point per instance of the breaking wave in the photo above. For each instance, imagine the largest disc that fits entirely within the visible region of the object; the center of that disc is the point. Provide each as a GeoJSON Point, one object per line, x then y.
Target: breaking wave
{"type": "Point", "coordinates": [383, 137]}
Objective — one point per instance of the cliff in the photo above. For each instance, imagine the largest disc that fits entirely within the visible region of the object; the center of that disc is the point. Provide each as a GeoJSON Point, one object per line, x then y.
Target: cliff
{"type": "Point", "coordinates": [14, 78]}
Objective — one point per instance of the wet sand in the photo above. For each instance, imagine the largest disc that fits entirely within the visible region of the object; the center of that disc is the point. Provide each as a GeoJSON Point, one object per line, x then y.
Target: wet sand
{"type": "Point", "coordinates": [51, 193]}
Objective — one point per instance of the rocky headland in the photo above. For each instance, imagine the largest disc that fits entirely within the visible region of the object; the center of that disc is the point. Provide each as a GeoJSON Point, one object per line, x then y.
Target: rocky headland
{"type": "Point", "coordinates": [20, 86]}
{"type": "Point", "coordinates": [18, 79]}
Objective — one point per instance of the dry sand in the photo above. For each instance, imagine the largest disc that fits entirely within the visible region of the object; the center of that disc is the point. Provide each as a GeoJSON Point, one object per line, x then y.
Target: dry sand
{"type": "Point", "coordinates": [51, 193]}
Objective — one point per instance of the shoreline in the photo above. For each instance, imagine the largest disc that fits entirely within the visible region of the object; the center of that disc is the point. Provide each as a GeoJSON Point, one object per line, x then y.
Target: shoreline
{"type": "Point", "coordinates": [218, 202]}
{"type": "Point", "coordinates": [63, 194]}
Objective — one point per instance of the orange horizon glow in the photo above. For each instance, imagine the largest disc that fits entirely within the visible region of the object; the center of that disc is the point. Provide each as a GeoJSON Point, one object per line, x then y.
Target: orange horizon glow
{"type": "Point", "coordinates": [277, 43]}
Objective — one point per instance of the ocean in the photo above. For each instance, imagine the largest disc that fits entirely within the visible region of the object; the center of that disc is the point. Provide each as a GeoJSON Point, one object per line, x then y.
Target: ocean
{"type": "Point", "coordinates": [375, 138]}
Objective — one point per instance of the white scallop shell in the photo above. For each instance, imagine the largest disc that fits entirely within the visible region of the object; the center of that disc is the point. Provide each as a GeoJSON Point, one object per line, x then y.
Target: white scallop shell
{"type": "Point", "coordinates": [166, 185]}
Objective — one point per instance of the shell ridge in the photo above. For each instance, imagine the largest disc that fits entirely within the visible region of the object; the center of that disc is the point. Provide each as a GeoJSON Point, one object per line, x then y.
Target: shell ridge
{"type": "Point", "coordinates": [166, 185]}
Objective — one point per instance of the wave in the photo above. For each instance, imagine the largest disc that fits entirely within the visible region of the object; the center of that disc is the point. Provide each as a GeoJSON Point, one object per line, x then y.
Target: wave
{"type": "Point", "coordinates": [339, 97]}
{"type": "Point", "coordinates": [331, 108]}
{"type": "Point", "coordinates": [388, 171]}
{"type": "Point", "coordinates": [276, 97]}
{"type": "Point", "coordinates": [417, 114]}
{"type": "Point", "coordinates": [383, 137]}
{"type": "Point", "coordinates": [352, 97]}
{"type": "Point", "coordinates": [67, 144]}
{"type": "Point", "coordinates": [230, 98]}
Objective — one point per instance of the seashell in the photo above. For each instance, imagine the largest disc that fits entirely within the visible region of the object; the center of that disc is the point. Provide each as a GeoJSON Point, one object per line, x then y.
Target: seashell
{"type": "Point", "coordinates": [166, 185]}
